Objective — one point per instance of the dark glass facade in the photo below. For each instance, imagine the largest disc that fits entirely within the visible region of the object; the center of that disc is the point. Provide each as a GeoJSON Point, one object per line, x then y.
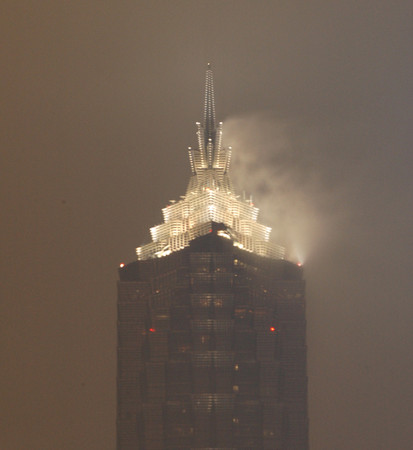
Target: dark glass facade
{"type": "Point", "coordinates": [211, 350]}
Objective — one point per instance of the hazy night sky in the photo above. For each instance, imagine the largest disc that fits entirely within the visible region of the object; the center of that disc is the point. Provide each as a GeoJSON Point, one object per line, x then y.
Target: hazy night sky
{"type": "Point", "coordinates": [99, 103]}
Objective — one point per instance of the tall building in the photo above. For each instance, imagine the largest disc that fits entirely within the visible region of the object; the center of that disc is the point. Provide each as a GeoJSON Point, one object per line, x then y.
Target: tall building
{"type": "Point", "coordinates": [211, 322]}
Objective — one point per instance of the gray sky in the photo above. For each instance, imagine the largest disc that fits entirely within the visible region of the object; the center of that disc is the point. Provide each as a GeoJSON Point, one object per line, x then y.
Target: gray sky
{"type": "Point", "coordinates": [99, 101]}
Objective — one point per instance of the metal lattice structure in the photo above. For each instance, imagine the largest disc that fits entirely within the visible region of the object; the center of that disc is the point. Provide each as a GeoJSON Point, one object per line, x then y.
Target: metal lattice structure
{"type": "Point", "coordinates": [210, 197]}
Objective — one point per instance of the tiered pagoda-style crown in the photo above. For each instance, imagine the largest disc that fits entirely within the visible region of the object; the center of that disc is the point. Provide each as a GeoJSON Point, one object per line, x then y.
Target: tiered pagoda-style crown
{"type": "Point", "coordinates": [210, 197]}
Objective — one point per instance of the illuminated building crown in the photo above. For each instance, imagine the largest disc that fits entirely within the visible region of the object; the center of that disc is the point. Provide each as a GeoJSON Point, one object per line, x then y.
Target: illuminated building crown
{"type": "Point", "coordinates": [210, 197]}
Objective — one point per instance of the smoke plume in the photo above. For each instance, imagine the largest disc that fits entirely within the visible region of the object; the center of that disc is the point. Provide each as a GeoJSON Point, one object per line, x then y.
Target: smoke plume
{"type": "Point", "coordinates": [281, 163]}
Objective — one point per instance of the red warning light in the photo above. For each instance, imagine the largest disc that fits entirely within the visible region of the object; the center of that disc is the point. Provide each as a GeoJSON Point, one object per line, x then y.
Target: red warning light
{"type": "Point", "coordinates": [152, 330]}
{"type": "Point", "coordinates": [210, 230]}
{"type": "Point", "coordinates": [121, 265]}
{"type": "Point", "coordinates": [272, 329]}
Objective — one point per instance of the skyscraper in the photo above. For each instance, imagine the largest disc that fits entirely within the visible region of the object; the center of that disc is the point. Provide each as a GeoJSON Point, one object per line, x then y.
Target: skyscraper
{"type": "Point", "coordinates": [211, 322]}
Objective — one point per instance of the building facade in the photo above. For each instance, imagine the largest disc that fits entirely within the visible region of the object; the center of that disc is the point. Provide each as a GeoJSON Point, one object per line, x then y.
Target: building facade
{"type": "Point", "coordinates": [211, 323]}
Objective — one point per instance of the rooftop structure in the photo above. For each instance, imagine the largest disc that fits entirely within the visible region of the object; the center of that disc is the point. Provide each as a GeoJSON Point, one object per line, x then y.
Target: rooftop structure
{"type": "Point", "coordinates": [210, 197]}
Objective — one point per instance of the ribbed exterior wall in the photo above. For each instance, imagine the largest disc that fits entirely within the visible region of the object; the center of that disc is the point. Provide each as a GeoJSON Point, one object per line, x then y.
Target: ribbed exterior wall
{"type": "Point", "coordinates": [211, 351]}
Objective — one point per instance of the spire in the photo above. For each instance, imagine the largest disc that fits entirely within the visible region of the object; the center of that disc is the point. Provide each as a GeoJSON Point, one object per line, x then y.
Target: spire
{"type": "Point", "coordinates": [209, 112]}
{"type": "Point", "coordinates": [210, 153]}
{"type": "Point", "coordinates": [210, 197]}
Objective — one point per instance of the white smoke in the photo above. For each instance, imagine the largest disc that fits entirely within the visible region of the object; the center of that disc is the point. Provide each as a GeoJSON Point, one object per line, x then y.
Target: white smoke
{"type": "Point", "coordinates": [280, 163]}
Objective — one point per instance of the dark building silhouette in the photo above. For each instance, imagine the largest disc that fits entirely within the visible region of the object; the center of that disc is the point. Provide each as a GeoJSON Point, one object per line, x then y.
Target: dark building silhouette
{"type": "Point", "coordinates": [211, 323]}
